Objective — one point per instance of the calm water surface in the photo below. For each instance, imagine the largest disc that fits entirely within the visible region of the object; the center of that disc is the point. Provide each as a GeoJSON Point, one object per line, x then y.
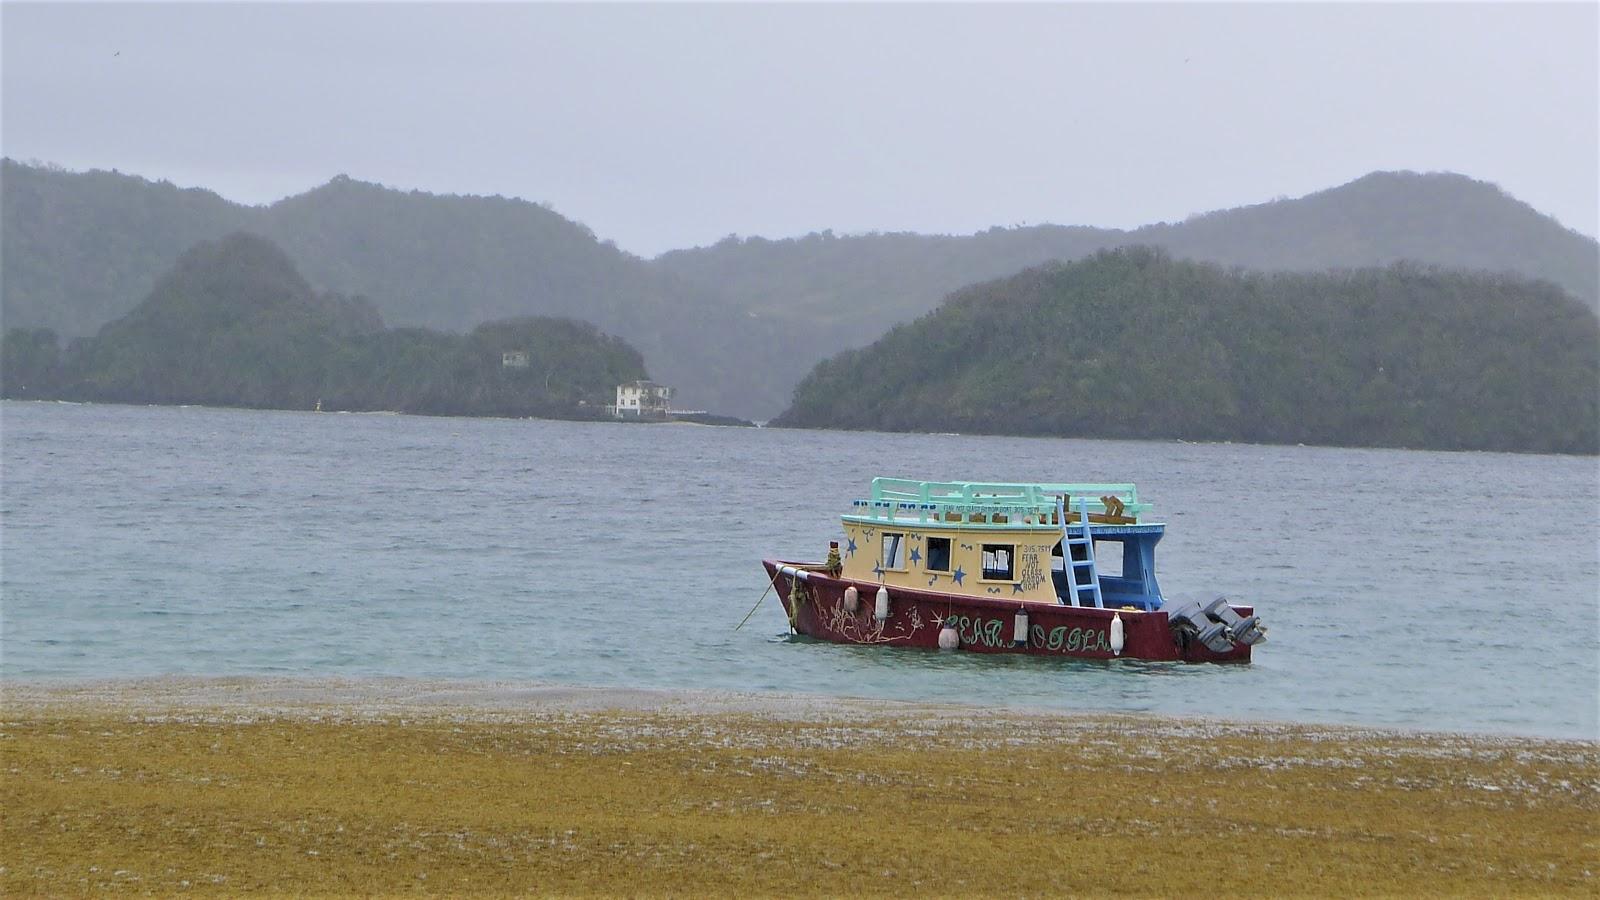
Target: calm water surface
{"type": "Point", "coordinates": [1433, 590]}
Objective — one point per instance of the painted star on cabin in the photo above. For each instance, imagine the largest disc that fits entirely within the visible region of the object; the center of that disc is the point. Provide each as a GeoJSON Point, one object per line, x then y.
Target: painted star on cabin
{"type": "Point", "coordinates": [957, 575]}
{"type": "Point", "coordinates": [915, 556]}
{"type": "Point", "coordinates": [1016, 588]}
{"type": "Point", "coordinates": [878, 571]}
{"type": "Point", "coordinates": [849, 546]}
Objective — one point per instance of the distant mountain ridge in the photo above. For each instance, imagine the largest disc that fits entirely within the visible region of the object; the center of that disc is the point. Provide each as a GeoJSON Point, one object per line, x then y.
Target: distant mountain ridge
{"type": "Point", "coordinates": [81, 249]}
{"type": "Point", "coordinates": [857, 287]}
{"type": "Point", "coordinates": [1438, 218]}
{"type": "Point", "coordinates": [733, 326]}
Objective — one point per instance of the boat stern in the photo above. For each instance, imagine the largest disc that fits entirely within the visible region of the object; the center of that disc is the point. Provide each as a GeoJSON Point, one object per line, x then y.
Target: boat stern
{"type": "Point", "coordinates": [1213, 630]}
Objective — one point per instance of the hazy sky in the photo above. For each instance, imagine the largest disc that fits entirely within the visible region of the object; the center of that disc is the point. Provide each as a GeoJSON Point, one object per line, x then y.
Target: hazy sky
{"type": "Point", "coordinates": [664, 126]}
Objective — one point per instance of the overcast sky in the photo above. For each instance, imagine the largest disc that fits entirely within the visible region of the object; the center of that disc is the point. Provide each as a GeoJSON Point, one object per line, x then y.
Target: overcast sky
{"type": "Point", "coordinates": [671, 126]}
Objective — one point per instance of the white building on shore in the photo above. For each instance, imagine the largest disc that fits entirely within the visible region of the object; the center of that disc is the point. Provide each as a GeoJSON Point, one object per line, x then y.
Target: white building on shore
{"type": "Point", "coordinates": [642, 400]}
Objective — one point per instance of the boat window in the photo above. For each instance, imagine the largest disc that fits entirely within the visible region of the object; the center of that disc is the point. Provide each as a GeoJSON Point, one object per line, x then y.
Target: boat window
{"type": "Point", "coordinates": [894, 550]}
{"type": "Point", "coordinates": [1108, 558]}
{"type": "Point", "coordinates": [997, 562]}
{"type": "Point", "coordinates": [938, 559]}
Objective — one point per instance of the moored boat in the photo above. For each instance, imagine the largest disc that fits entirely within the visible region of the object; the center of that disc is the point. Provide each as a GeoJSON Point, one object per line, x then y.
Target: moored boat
{"type": "Point", "coordinates": [1055, 569]}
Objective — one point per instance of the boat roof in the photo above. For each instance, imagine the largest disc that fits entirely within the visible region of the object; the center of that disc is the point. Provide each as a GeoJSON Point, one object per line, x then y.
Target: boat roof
{"type": "Point", "coordinates": [975, 504]}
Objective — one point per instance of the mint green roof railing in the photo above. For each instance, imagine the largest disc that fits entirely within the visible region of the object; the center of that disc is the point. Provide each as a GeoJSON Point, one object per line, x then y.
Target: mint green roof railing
{"type": "Point", "coordinates": [894, 498]}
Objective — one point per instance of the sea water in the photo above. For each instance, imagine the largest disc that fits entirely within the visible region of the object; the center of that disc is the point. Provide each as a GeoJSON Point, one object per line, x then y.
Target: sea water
{"type": "Point", "coordinates": [1451, 591]}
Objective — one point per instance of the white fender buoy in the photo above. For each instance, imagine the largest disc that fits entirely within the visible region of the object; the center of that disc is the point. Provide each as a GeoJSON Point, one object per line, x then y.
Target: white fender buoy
{"type": "Point", "coordinates": [852, 599]}
{"type": "Point", "coordinates": [1116, 634]}
{"type": "Point", "coordinates": [1019, 628]}
{"type": "Point", "coordinates": [949, 638]}
{"type": "Point", "coordinates": [881, 610]}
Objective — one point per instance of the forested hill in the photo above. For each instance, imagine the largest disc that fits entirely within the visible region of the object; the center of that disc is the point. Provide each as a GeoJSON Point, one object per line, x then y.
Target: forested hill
{"type": "Point", "coordinates": [1436, 218]}
{"type": "Point", "coordinates": [1134, 344]}
{"type": "Point", "coordinates": [1385, 217]}
{"type": "Point", "coordinates": [234, 324]}
{"type": "Point", "coordinates": [81, 249]}
{"type": "Point", "coordinates": [856, 287]}
{"type": "Point", "coordinates": [733, 327]}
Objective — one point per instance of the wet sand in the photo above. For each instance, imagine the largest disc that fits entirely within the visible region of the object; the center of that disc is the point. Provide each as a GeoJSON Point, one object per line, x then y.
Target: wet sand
{"type": "Point", "coordinates": [178, 785]}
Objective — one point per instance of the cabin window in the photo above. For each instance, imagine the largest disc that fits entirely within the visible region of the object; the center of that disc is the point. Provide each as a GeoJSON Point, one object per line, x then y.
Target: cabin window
{"type": "Point", "coordinates": [1108, 558]}
{"type": "Point", "coordinates": [999, 562]}
{"type": "Point", "coordinates": [894, 550]}
{"type": "Point", "coordinates": [938, 559]}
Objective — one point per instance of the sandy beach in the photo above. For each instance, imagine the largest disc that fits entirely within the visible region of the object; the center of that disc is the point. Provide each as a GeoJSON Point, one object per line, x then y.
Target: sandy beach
{"type": "Point", "coordinates": [381, 786]}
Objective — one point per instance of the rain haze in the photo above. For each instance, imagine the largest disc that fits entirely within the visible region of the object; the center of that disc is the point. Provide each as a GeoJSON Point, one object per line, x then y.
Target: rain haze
{"type": "Point", "coordinates": [519, 488]}
{"type": "Point", "coordinates": [665, 126]}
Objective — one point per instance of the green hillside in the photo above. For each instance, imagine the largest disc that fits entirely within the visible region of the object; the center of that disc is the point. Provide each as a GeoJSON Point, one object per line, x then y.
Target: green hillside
{"type": "Point", "coordinates": [1439, 219]}
{"type": "Point", "coordinates": [81, 249]}
{"type": "Point", "coordinates": [853, 289]}
{"type": "Point", "coordinates": [234, 324]}
{"type": "Point", "coordinates": [1134, 344]}
{"type": "Point", "coordinates": [734, 326]}
{"type": "Point", "coordinates": [1385, 217]}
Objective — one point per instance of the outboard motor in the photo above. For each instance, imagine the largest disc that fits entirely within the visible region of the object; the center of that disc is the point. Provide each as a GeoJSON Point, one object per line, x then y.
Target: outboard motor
{"type": "Point", "coordinates": [1213, 623]}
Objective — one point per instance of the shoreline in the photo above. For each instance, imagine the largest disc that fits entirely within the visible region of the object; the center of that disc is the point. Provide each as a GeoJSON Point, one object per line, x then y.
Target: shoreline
{"type": "Point", "coordinates": [378, 786]}
{"type": "Point", "coordinates": [507, 699]}
{"type": "Point", "coordinates": [767, 424]}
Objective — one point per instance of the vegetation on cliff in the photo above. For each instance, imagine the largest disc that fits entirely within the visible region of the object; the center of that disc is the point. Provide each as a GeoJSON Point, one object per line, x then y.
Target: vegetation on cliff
{"type": "Point", "coordinates": [1133, 344]}
{"type": "Point", "coordinates": [235, 324]}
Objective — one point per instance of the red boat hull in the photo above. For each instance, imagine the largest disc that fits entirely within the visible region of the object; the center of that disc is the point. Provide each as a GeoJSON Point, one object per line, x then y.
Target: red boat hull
{"type": "Point", "coordinates": [982, 624]}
